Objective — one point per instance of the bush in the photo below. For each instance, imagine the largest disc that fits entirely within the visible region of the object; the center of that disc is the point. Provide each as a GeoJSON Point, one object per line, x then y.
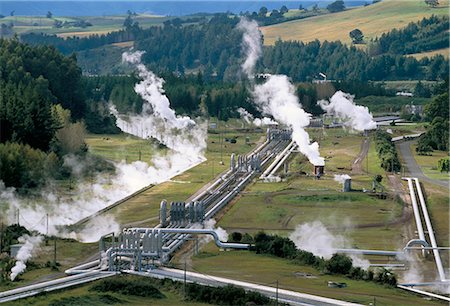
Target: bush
{"type": "Point", "coordinates": [137, 286]}
{"type": "Point", "coordinates": [443, 165]}
{"type": "Point", "coordinates": [228, 295]}
{"type": "Point", "coordinates": [339, 264]}
{"type": "Point", "coordinates": [386, 151]}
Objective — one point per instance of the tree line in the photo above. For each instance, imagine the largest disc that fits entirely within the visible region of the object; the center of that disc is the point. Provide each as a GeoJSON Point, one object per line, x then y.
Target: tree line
{"type": "Point", "coordinates": [263, 243]}
{"type": "Point", "coordinates": [42, 102]}
{"type": "Point", "coordinates": [214, 47]}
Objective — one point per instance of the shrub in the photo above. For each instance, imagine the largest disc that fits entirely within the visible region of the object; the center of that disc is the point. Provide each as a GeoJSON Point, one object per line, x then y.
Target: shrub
{"type": "Point", "coordinates": [339, 264]}
{"type": "Point", "coordinates": [138, 286]}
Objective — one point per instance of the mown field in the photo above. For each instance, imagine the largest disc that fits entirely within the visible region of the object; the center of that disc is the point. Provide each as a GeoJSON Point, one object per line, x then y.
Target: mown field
{"type": "Point", "coordinates": [444, 52]}
{"type": "Point", "coordinates": [100, 24]}
{"type": "Point", "coordinates": [372, 20]}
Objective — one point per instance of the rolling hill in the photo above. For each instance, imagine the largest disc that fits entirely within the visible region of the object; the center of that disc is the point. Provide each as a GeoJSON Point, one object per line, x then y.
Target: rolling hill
{"type": "Point", "coordinates": [372, 20]}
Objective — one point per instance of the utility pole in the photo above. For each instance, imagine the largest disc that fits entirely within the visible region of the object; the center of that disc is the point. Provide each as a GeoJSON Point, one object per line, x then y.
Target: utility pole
{"type": "Point", "coordinates": [54, 252]}
{"type": "Point", "coordinates": [46, 232]}
{"type": "Point", "coordinates": [276, 295]}
{"type": "Point", "coordinates": [185, 295]}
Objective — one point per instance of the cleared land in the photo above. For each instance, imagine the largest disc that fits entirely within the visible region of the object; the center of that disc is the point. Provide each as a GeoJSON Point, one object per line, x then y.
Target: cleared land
{"type": "Point", "coordinates": [444, 52]}
{"type": "Point", "coordinates": [372, 20]}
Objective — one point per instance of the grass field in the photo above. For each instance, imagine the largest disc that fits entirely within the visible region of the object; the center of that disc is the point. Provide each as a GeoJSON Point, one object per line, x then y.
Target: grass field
{"type": "Point", "coordinates": [372, 20]}
{"type": "Point", "coordinates": [121, 147]}
{"type": "Point", "coordinates": [146, 207]}
{"type": "Point", "coordinates": [428, 163]}
{"type": "Point", "coordinates": [100, 24]}
{"type": "Point", "coordinates": [263, 269]}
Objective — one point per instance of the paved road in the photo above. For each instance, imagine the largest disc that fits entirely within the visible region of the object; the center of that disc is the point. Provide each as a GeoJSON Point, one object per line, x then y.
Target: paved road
{"type": "Point", "coordinates": [286, 296]}
{"type": "Point", "coordinates": [357, 163]}
{"type": "Point", "coordinates": [412, 166]}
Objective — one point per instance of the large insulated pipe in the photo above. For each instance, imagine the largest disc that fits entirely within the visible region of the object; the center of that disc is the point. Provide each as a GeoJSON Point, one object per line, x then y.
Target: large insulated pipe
{"type": "Point", "coordinates": [277, 160]}
{"type": "Point", "coordinates": [224, 245]}
{"type": "Point", "coordinates": [368, 252]}
{"type": "Point", "coordinates": [415, 210]}
{"type": "Point", "coordinates": [232, 162]}
{"type": "Point", "coordinates": [437, 257]}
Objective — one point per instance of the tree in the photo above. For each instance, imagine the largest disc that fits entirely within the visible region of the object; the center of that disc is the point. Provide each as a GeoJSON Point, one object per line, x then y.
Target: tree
{"type": "Point", "coordinates": [284, 9]}
{"type": "Point", "coordinates": [336, 6]}
{"type": "Point", "coordinates": [339, 264]}
{"type": "Point", "coordinates": [49, 14]}
{"type": "Point", "coordinates": [128, 23]}
{"type": "Point", "coordinates": [432, 3]}
{"type": "Point", "coordinates": [357, 36]}
{"type": "Point", "coordinates": [444, 165]}
{"type": "Point", "coordinates": [263, 11]}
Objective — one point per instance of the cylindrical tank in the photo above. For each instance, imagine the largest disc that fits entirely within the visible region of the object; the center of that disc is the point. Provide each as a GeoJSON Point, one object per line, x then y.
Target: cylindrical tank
{"type": "Point", "coordinates": [163, 213]}
{"type": "Point", "coordinates": [347, 185]}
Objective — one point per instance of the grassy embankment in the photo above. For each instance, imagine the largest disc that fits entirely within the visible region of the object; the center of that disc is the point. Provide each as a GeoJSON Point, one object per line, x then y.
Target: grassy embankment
{"type": "Point", "coordinates": [372, 20]}
{"type": "Point", "coordinates": [85, 295]}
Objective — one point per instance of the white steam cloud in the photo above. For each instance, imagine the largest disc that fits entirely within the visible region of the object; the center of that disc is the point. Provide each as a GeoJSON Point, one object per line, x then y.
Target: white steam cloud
{"type": "Point", "coordinates": [185, 138]}
{"type": "Point", "coordinates": [158, 120]}
{"type": "Point", "coordinates": [316, 238]}
{"type": "Point", "coordinates": [249, 119]}
{"type": "Point", "coordinates": [355, 116]}
{"type": "Point", "coordinates": [340, 178]}
{"type": "Point", "coordinates": [251, 44]}
{"type": "Point", "coordinates": [30, 244]}
{"type": "Point", "coordinates": [276, 97]}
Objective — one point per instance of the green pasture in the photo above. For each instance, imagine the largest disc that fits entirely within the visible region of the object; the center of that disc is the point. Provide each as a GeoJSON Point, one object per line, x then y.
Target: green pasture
{"type": "Point", "coordinates": [267, 270]}
{"type": "Point", "coordinates": [428, 163]}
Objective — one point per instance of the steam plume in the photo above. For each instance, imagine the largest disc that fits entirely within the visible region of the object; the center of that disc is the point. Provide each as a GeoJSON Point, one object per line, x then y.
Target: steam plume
{"type": "Point", "coordinates": [340, 178]}
{"type": "Point", "coordinates": [276, 97]}
{"type": "Point", "coordinates": [158, 120]}
{"type": "Point", "coordinates": [316, 238]}
{"type": "Point", "coordinates": [251, 45]}
{"type": "Point", "coordinates": [342, 106]}
{"type": "Point", "coordinates": [248, 118]}
{"type": "Point", "coordinates": [30, 243]}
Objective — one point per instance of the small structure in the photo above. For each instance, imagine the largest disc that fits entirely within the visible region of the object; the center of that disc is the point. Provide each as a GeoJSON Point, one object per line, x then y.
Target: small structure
{"type": "Point", "coordinates": [347, 186]}
{"type": "Point", "coordinates": [319, 170]}
{"type": "Point", "coordinates": [14, 249]}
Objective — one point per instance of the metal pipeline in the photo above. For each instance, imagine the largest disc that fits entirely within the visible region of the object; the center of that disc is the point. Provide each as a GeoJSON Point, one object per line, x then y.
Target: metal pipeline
{"type": "Point", "coordinates": [277, 160]}
{"type": "Point", "coordinates": [368, 252]}
{"type": "Point", "coordinates": [437, 257]}
{"type": "Point", "coordinates": [224, 245]}
{"type": "Point", "coordinates": [416, 210]}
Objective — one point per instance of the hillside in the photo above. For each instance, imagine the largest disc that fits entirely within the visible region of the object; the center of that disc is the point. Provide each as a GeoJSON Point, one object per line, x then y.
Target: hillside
{"type": "Point", "coordinates": [372, 20]}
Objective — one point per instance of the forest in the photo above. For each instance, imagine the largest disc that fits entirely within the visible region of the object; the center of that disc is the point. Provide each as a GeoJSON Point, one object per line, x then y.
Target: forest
{"type": "Point", "coordinates": [213, 47]}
